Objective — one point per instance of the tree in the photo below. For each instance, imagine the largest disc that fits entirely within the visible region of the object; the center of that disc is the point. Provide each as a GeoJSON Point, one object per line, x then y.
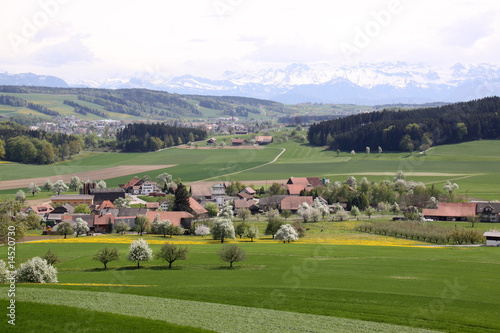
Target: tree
{"type": "Point", "coordinates": [75, 183]}
{"type": "Point", "coordinates": [355, 212]}
{"type": "Point", "coordinates": [321, 207]}
{"type": "Point", "coordinates": [227, 210]}
{"type": "Point", "coordinates": [81, 226]}
{"type": "Point", "coordinates": [406, 144]}
{"type": "Point", "coordinates": [20, 196]}
{"type": "Point", "coordinates": [201, 230]}
{"type": "Point", "coordinates": [367, 149]}
{"type": "Point", "coordinates": [139, 251]}
{"type": "Point", "coordinates": [33, 220]}
{"type": "Point", "coordinates": [146, 178]}
{"type": "Point", "coordinates": [161, 226]}
{"type": "Point", "coordinates": [286, 233]}
{"type": "Point", "coordinates": [121, 203]}
{"type": "Point", "coordinates": [59, 187]}
{"type": "Point", "coordinates": [273, 225]}
{"type": "Point", "coordinates": [173, 230]}
{"type": "Point", "coordinates": [395, 208]}
{"type": "Point", "coordinates": [48, 185]}
{"type": "Point", "coordinates": [231, 253]}
{"type": "Point", "coordinates": [285, 213]}
{"type": "Point", "coordinates": [276, 189]}
{"type": "Point", "coordinates": [181, 202]}
{"type": "Point", "coordinates": [338, 152]}
{"type": "Point", "coordinates": [473, 219]}
{"type": "Point", "coordinates": [272, 213]}
{"type": "Point", "coordinates": [341, 215]}
{"type": "Point", "coordinates": [351, 182]}
{"type": "Point", "coordinates": [241, 229]}
{"type": "Point", "coordinates": [252, 232]}
{"type": "Point", "coordinates": [212, 209]}
{"type": "Point", "coordinates": [51, 258]}
{"type": "Point", "coordinates": [243, 213]}
{"type": "Point", "coordinates": [106, 255]}
{"type": "Point", "coordinates": [171, 252]}
{"type": "Point", "coordinates": [222, 229]}
{"type": "Point", "coordinates": [353, 152]}
{"type": "Point", "coordinates": [305, 211]}
{"type": "Point", "coordinates": [141, 224]}
{"type": "Point", "coordinates": [121, 226]}
{"type": "Point", "coordinates": [33, 189]}
{"type": "Point", "coordinates": [36, 270]}
{"type": "Point", "coordinates": [450, 187]}
{"type": "Point", "coordinates": [164, 179]}
{"type": "Point", "coordinates": [369, 212]}
{"type": "Point", "coordinates": [101, 184]}
{"type": "Point", "coordinates": [379, 150]}
{"type": "Point", "coordinates": [82, 209]}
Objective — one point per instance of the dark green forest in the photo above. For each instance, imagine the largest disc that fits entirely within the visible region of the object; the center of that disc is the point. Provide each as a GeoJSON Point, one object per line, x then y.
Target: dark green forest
{"type": "Point", "coordinates": [138, 137]}
{"type": "Point", "coordinates": [413, 129]}
{"type": "Point", "coordinates": [19, 144]}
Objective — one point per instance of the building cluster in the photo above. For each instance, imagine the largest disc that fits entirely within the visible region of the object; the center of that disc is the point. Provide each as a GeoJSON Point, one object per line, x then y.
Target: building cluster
{"type": "Point", "coordinates": [74, 125]}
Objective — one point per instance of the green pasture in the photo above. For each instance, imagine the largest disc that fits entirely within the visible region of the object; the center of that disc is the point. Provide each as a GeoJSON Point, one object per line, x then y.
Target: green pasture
{"type": "Point", "coordinates": [446, 289]}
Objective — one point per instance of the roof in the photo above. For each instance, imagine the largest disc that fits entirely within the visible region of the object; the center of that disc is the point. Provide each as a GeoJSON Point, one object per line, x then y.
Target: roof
{"type": "Point", "coordinates": [271, 200]}
{"type": "Point", "coordinates": [65, 208]}
{"type": "Point", "coordinates": [263, 138]}
{"type": "Point", "coordinates": [152, 205]}
{"type": "Point", "coordinates": [243, 203]}
{"type": "Point", "coordinates": [103, 219]}
{"type": "Point", "coordinates": [41, 209]}
{"type": "Point", "coordinates": [244, 195]}
{"type": "Point", "coordinates": [314, 181]}
{"type": "Point", "coordinates": [482, 205]}
{"type": "Point", "coordinates": [294, 189]}
{"type": "Point", "coordinates": [173, 217]}
{"type": "Point", "coordinates": [201, 190]}
{"type": "Point", "coordinates": [238, 140]}
{"type": "Point", "coordinates": [106, 190]}
{"type": "Point", "coordinates": [452, 209]}
{"type": "Point", "coordinates": [106, 204]}
{"type": "Point", "coordinates": [492, 233]}
{"type": "Point", "coordinates": [132, 211]}
{"type": "Point", "coordinates": [72, 197]}
{"type": "Point", "coordinates": [293, 203]}
{"type": "Point", "coordinates": [196, 207]}
{"type": "Point", "coordinates": [249, 190]}
{"type": "Point", "coordinates": [132, 182]}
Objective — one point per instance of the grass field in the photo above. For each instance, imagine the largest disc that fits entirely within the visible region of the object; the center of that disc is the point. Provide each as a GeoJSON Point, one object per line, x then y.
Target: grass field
{"type": "Point", "coordinates": [473, 165]}
{"type": "Point", "coordinates": [310, 287]}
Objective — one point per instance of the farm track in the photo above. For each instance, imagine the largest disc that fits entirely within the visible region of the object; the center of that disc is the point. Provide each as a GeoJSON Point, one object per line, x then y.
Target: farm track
{"type": "Point", "coordinates": [106, 173]}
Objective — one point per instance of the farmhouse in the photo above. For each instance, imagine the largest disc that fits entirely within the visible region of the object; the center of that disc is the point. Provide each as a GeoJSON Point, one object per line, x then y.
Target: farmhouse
{"type": "Point", "coordinates": [305, 181]}
{"type": "Point", "coordinates": [263, 139]}
{"type": "Point", "coordinates": [212, 141]}
{"type": "Point", "coordinates": [133, 185]}
{"type": "Point", "coordinates": [103, 223]}
{"type": "Point", "coordinates": [73, 199]}
{"type": "Point", "coordinates": [489, 211]}
{"type": "Point", "coordinates": [238, 142]}
{"type": "Point", "coordinates": [103, 194]}
{"type": "Point", "coordinates": [451, 211]}
{"type": "Point", "coordinates": [198, 210]}
{"type": "Point", "coordinates": [152, 206]}
{"type": "Point", "coordinates": [183, 219]}
{"type": "Point", "coordinates": [39, 210]}
{"type": "Point", "coordinates": [292, 203]}
{"type": "Point", "coordinates": [148, 187]}
{"type": "Point", "coordinates": [244, 203]}
{"type": "Point", "coordinates": [492, 238]}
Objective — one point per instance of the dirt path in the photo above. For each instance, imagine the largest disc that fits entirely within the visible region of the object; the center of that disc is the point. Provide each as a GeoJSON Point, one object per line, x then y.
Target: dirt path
{"type": "Point", "coordinates": [106, 173]}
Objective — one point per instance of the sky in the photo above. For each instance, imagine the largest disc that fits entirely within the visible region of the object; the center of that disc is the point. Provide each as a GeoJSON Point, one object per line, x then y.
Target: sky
{"type": "Point", "coordinates": [77, 39]}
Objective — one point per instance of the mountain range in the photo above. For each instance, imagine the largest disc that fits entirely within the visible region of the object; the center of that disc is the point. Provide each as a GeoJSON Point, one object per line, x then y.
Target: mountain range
{"type": "Point", "coordinates": [375, 83]}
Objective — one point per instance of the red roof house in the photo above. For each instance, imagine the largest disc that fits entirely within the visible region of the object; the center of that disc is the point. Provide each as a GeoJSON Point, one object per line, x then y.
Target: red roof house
{"type": "Point", "coordinates": [292, 203]}
{"type": "Point", "coordinates": [182, 219]}
{"type": "Point", "coordinates": [451, 211]}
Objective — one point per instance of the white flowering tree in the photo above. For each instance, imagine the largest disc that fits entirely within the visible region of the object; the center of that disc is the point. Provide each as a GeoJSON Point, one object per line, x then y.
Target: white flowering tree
{"type": "Point", "coordinates": [305, 212]}
{"type": "Point", "coordinates": [351, 181]}
{"type": "Point", "coordinates": [101, 184]}
{"type": "Point", "coordinates": [139, 251]}
{"type": "Point", "coordinates": [222, 229]}
{"type": "Point", "coordinates": [227, 210]}
{"type": "Point", "coordinates": [321, 207]}
{"type": "Point", "coordinates": [201, 230]}
{"type": "Point", "coordinates": [4, 272]}
{"type": "Point", "coordinates": [36, 270]}
{"type": "Point", "coordinates": [341, 215]}
{"type": "Point", "coordinates": [252, 232]}
{"type": "Point", "coordinates": [286, 233]}
{"type": "Point", "coordinates": [75, 183]}
{"type": "Point", "coordinates": [80, 226]}
{"type": "Point", "coordinates": [59, 187]}
{"type": "Point", "coordinates": [33, 189]}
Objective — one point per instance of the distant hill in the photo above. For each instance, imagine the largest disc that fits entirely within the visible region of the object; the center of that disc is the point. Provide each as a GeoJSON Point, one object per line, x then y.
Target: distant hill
{"type": "Point", "coordinates": [409, 130]}
{"type": "Point", "coordinates": [30, 79]}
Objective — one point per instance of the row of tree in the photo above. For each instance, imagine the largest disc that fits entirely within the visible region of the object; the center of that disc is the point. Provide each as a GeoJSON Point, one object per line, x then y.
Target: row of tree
{"type": "Point", "coordinates": [413, 129]}
{"type": "Point", "coordinates": [84, 110]}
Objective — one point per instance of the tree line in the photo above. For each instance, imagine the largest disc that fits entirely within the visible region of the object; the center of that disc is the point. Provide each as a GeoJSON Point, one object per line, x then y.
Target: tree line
{"type": "Point", "coordinates": [19, 144]}
{"type": "Point", "coordinates": [138, 137]}
{"type": "Point", "coordinates": [83, 110]}
{"type": "Point", "coordinates": [19, 102]}
{"type": "Point", "coordinates": [411, 130]}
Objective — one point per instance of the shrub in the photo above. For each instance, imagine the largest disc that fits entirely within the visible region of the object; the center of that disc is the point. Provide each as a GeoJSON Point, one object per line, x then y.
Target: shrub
{"type": "Point", "coordinates": [36, 270]}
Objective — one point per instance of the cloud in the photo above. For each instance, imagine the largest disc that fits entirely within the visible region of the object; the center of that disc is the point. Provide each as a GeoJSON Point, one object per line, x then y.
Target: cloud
{"type": "Point", "coordinates": [279, 52]}
{"type": "Point", "coordinates": [64, 53]}
{"type": "Point", "coordinates": [465, 33]}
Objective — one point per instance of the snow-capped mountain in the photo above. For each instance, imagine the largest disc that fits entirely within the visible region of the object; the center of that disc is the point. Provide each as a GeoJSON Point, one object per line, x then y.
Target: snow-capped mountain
{"type": "Point", "coordinates": [376, 83]}
{"type": "Point", "coordinates": [30, 79]}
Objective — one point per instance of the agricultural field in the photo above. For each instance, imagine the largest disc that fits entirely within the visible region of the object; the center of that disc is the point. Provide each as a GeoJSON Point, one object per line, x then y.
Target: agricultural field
{"type": "Point", "coordinates": [318, 284]}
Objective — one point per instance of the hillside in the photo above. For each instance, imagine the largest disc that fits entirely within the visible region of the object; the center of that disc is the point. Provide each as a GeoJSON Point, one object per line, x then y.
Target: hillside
{"type": "Point", "coordinates": [417, 129]}
{"type": "Point", "coordinates": [87, 103]}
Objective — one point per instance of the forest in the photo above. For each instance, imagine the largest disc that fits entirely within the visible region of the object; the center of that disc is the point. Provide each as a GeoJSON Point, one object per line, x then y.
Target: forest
{"type": "Point", "coordinates": [410, 130]}
{"type": "Point", "coordinates": [19, 144]}
{"type": "Point", "coordinates": [138, 137]}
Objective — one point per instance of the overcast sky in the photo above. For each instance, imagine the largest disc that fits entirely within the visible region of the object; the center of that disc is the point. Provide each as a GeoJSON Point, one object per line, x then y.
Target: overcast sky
{"type": "Point", "coordinates": [92, 39]}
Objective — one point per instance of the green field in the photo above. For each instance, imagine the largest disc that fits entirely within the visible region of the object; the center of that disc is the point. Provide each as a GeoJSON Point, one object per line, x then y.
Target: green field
{"type": "Point", "coordinates": [475, 166]}
{"type": "Point", "coordinates": [320, 288]}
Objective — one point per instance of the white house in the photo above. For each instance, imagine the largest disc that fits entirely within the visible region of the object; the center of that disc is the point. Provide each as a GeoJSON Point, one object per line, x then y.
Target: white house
{"type": "Point", "coordinates": [492, 238]}
{"type": "Point", "coordinates": [148, 187]}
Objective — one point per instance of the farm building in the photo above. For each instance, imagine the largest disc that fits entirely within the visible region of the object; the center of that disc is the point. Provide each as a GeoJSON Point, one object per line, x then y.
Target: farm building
{"type": "Point", "coordinates": [183, 219]}
{"type": "Point", "coordinates": [492, 238]}
{"type": "Point", "coordinates": [244, 203]}
{"type": "Point", "coordinates": [39, 210]}
{"type": "Point", "coordinates": [263, 139]}
{"type": "Point", "coordinates": [450, 211]}
{"type": "Point", "coordinates": [489, 211]}
{"type": "Point", "coordinates": [238, 142]}
{"type": "Point", "coordinates": [73, 199]}
{"type": "Point", "coordinates": [153, 206]}
{"type": "Point", "coordinates": [103, 194]}
{"type": "Point", "coordinates": [292, 203]}
{"type": "Point", "coordinates": [198, 210]}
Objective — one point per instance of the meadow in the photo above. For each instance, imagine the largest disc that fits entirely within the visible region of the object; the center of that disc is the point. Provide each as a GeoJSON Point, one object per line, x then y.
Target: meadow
{"type": "Point", "coordinates": [301, 286]}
